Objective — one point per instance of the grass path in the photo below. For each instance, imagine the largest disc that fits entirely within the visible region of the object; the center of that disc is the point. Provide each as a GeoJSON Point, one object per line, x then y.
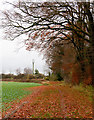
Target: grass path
{"type": "Point", "coordinates": [53, 101]}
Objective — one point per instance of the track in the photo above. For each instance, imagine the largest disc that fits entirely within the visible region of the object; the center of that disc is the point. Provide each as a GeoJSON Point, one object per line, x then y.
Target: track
{"type": "Point", "coordinates": [51, 101]}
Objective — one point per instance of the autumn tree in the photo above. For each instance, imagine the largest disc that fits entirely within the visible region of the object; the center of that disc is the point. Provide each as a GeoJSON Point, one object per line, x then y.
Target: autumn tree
{"type": "Point", "coordinates": [54, 59]}
{"type": "Point", "coordinates": [45, 23]}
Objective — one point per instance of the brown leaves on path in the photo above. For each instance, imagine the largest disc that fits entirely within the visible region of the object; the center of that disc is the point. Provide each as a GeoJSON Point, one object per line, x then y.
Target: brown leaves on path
{"type": "Point", "coordinates": [52, 101]}
{"type": "Point", "coordinates": [77, 104]}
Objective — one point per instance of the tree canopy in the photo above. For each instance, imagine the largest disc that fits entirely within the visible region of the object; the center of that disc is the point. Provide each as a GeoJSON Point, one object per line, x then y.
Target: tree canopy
{"type": "Point", "coordinates": [47, 24]}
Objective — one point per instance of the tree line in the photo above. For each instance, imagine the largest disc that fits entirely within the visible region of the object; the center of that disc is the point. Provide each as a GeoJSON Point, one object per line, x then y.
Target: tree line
{"type": "Point", "coordinates": [26, 76]}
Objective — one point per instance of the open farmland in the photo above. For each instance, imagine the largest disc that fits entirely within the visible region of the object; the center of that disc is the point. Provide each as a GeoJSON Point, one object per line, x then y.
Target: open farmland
{"type": "Point", "coordinates": [14, 90]}
{"type": "Point", "coordinates": [52, 100]}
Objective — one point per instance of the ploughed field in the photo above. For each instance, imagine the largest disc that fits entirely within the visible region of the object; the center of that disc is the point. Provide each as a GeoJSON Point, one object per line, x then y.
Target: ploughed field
{"type": "Point", "coordinates": [47, 100]}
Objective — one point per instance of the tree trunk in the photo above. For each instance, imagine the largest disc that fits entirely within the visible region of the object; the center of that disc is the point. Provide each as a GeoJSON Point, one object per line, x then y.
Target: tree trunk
{"type": "Point", "coordinates": [91, 38]}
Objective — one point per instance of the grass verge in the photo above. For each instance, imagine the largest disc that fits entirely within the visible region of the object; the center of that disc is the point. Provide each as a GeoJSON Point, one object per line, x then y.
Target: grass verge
{"type": "Point", "coordinates": [88, 90]}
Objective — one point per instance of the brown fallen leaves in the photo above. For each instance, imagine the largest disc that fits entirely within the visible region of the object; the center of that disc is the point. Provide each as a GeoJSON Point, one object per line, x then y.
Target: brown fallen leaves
{"type": "Point", "coordinates": [53, 101]}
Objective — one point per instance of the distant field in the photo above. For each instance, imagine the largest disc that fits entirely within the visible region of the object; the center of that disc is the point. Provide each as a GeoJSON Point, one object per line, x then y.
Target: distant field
{"type": "Point", "coordinates": [14, 90]}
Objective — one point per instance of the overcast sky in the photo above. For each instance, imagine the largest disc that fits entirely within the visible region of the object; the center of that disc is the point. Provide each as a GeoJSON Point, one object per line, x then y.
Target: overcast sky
{"type": "Point", "coordinates": [12, 57]}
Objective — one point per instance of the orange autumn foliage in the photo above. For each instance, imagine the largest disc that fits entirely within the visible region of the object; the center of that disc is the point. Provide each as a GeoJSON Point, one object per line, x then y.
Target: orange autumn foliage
{"type": "Point", "coordinates": [76, 75]}
{"type": "Point", "coordinates": [88, 77]}
{"type": "Point", "coordinates": [76, 72]}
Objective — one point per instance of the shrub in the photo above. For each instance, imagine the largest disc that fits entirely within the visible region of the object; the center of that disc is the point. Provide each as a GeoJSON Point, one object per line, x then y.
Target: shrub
{"type": "Point", "coordinates": [31, 76]}
{"type": "Point", "coordinates": [20, 76]}
{"type": "Point", "coordinates": [47, 78]}
{"type": "Point", "coordinates": [39, 76]}
{"type": "Point", "coordinates": [53, 77]}
{"type": "Point", "coordinates": [5, 76]}
{"type": "Point", "coordinates": [59, 77]}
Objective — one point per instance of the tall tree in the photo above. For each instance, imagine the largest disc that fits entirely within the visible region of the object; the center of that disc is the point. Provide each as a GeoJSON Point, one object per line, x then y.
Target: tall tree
{"type": "Point", "coordinates": [54, 58]}
{"type": "Point", "coordinates": [51, 22]}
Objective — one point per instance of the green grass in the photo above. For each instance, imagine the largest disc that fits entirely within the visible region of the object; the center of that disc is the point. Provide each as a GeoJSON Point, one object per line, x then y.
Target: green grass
{"type": "Point", "coordinates": [15, 90]}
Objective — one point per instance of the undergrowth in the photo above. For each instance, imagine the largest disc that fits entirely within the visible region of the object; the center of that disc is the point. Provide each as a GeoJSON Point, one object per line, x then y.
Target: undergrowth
{"type": "Point", "coordinates": [87, 90]}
